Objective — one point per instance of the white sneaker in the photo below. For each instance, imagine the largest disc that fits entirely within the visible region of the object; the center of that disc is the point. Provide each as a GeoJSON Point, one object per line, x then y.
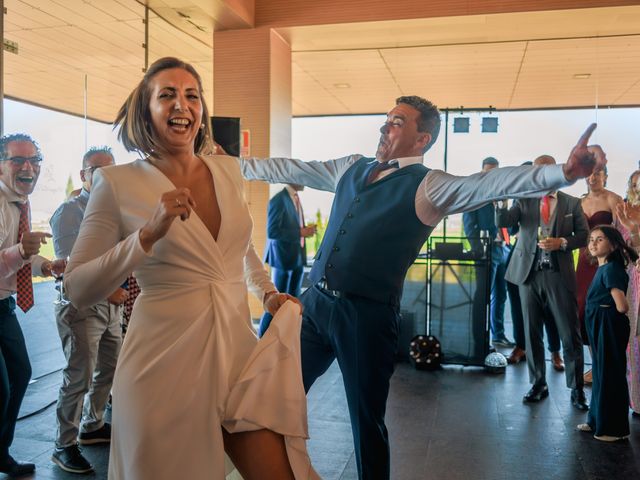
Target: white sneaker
{"type": "Point", "coordinates": [584, 427]}
{"type": "Point", "coordinates": [609, 438]}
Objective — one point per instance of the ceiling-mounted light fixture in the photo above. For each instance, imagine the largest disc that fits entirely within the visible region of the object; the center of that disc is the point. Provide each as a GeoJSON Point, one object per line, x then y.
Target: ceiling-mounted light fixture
{"type": "Point", "coordinates": [341, 85]}
{"type": "Point", "coordinates": [581, 76]}
{"type": "Point", "coordinates": [461, 125]}
{"type": "Point", "coordinates": [489, 124]}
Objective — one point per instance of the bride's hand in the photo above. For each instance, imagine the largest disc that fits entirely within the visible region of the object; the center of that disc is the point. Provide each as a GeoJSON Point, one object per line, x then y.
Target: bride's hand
{"type": "Point", "coordinates": [274, 300]}
{"type": "Point", "coordinates": [173, 204]}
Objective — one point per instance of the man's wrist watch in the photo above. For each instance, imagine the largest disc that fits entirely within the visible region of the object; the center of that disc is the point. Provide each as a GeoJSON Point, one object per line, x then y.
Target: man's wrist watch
{"type": "Point", "coordinates": [563, 244]}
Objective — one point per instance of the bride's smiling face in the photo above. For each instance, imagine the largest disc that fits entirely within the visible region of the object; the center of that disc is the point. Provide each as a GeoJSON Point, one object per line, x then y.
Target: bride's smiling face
{"type": "Point", "coordinates": [175, 107]}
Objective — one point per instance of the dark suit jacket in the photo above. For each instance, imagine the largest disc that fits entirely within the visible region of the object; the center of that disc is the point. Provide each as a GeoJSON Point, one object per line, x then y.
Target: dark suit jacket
{"type": "Point", "coordinates": [481, 219]}
{"type": "Point", "coordinates": [283, 248]}
{"type": "Point", "coordinates": [570, 223]}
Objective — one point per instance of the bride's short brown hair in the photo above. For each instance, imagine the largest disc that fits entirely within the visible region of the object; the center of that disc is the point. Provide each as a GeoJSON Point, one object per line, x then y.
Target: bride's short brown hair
{"type": "Point", "coordinates": [134, 119]}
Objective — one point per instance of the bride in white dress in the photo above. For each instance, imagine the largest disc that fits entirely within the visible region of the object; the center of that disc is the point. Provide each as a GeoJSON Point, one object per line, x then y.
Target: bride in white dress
{"type": "Point", "coordinates": [192, 380]}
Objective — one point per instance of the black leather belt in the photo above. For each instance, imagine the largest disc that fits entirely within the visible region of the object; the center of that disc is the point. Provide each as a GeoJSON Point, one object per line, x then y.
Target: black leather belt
{"type": "Point", "coordinates": [322, 285]}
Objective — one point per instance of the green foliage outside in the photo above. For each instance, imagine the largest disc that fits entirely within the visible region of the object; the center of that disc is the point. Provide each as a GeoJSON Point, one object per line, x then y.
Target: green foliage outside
{"type": "Point", "coordinates": [313, 243]}
{"type": "Point", "coordinates": [69, 188]}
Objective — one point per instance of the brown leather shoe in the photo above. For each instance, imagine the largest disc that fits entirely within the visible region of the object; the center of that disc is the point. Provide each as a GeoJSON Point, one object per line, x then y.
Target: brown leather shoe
{"type": "Point", "coordinates": [517, 355]}
{"type": "Point", "coordinates": [588, 377]}
{"type": "Point", "coordinates": [558, 363]}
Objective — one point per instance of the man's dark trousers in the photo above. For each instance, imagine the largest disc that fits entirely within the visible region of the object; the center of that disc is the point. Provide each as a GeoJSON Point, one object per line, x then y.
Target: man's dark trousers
{"type": "Point", "coordinates": [15, 372]}
{"type": "Point", "coordinates": [363, 336]}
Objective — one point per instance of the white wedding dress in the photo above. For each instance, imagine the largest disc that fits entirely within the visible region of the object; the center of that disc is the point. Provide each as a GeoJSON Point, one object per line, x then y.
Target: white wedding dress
{"type": "Point", "coordinates": [190, 363]}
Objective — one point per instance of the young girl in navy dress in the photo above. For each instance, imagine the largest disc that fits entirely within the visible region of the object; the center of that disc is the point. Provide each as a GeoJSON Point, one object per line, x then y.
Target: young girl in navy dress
{"type": "Point", "coordinates": [607, 327]}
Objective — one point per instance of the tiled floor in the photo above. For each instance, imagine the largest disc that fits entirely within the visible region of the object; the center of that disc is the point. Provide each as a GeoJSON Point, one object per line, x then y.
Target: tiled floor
{"type": "Point", "coordinates": [456, 423]}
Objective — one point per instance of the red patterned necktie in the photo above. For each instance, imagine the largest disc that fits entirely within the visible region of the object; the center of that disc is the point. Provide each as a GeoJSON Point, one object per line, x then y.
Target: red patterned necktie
{"type": "Point", "coordinates": [23, 277]}
{"type": "Point", "coordinates": [545, 210]}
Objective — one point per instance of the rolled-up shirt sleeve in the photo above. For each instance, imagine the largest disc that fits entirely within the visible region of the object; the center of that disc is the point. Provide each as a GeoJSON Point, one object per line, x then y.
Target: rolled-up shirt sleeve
{"type": "Point", "coordinates": [441, 194]}
{"type": "Point", "coordinates": [10, 261]}
{"type": "Point", "coordinates": [313, 174]}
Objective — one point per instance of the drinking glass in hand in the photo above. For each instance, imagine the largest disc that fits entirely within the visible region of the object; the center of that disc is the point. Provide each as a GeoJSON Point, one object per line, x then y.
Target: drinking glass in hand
{"type": "Point", "coordinates": [61, 299]}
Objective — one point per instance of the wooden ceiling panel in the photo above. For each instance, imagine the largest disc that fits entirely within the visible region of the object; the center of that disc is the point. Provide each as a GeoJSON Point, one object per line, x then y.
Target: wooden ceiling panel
{"type": "Point", "coordinates": [74, 12]}
{"type": "Point", "coordinates": [314, 98]}
{"type": "Point", "coordinates": [520, 60]}
{"type": "Point", "coordinates": [550, 69]}
{"type": "Point", "coordinates": [124, 10]}
{"type": "Point", "coordinates": [16, 21]}
{"type": "Point", "coordinates": [61, 41]}
{"type": "Point", "coordinates": [630, 96]}
{"type": "Point", "coordinates": [31, 11]}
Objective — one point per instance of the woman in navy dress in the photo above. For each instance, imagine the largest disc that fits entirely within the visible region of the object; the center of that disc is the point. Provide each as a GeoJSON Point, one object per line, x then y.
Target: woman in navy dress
{"type": "Point", "coordinates": [608, 329]}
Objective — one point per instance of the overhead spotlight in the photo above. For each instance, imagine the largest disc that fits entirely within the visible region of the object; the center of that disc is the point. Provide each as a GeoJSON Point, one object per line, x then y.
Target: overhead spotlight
{"type": "Point", "coordinates": [342, 85]}
{"type": "Point", "coordinates": [461, 125]}
{"type": "Point", "coordinates": [581, 76]}
{"type": "Point", "coordinates": [489, 124]}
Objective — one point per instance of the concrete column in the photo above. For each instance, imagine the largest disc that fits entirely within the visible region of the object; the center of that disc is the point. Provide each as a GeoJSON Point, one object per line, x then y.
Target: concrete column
{"type": "Point", "coordinates": [252, 80]}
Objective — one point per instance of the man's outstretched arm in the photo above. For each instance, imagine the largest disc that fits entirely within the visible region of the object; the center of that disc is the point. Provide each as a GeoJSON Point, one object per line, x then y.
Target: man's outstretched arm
{"type": "Point", "coordinates": [314, 174]}
{"type": "Point", "coordinates": [442, 194]}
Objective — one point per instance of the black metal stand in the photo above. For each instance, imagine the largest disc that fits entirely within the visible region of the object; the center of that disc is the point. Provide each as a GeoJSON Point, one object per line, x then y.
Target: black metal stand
{"type": "Point", "coordinates": [458, 292]}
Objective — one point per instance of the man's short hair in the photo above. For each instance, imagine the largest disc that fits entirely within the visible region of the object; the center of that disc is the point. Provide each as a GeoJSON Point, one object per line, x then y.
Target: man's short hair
{"type": "Point", "coordinates": [16, 137]}
{"type": "Point", "coordinates": [490, 161]}
{"type": "Point", "coordinates": [429, 118]}
{"type": "Point", "coordinates": [94, 150]}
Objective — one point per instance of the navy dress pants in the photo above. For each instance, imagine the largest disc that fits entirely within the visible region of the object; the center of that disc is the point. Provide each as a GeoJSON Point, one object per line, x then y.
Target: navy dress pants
{"type": "Point", "coordinates": [286, 281]}
{"type": "Point", "coordinates": [363, 336]}
{"type": "Point", "coordinates": [15, 372]}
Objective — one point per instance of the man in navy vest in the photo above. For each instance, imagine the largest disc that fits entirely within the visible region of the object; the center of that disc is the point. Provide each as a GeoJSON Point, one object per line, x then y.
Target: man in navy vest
{"type": "Point", "coordinates": [285, 251]}
{"type": "Point", "coordinates": [383, 212]}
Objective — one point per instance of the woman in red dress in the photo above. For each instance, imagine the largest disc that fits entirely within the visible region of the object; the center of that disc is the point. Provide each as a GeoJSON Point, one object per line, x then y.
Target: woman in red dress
{"type": "Point", "coordinates": [599, 205]}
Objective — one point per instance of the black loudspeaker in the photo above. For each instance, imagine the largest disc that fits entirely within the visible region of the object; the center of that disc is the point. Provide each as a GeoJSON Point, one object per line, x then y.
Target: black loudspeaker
{"type": "Point", "coordinates": [226, 133]}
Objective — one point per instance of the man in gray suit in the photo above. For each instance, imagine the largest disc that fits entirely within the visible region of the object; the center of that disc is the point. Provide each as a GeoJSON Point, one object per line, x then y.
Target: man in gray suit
{"type": "Point", "coordinates": [542, 266]}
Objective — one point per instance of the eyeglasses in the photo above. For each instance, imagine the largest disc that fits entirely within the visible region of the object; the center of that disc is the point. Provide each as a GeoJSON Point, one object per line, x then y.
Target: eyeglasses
{"type": "Point", "coordinates": [91, 169]}
{"type": "Point", "coordinates": [20, 161]}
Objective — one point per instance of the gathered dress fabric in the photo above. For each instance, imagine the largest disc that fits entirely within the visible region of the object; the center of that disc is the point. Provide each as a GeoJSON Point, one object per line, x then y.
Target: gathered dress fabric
{"type": "Point", "coordinates": [608, 332]}
{"type": "Point", "coordinates": [191, 363]}
{"type": "Point", "coordinates": [586, 269]}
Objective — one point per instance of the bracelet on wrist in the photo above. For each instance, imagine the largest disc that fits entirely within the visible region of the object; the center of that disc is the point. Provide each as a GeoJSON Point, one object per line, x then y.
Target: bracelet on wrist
{"type": "Point", "coordinates": [268, 294]}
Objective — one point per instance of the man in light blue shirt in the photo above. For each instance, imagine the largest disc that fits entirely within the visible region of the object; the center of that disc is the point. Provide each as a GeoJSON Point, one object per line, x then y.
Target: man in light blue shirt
{"type": "Point", "coordinates": [383, 211]}
{"type": "Point", "coordinates": [91, 339]}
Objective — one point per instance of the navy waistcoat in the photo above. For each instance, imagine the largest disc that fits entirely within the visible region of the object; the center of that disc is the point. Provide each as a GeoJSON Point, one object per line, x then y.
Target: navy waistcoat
{"type": "Point", "coordinates": [373, 235]}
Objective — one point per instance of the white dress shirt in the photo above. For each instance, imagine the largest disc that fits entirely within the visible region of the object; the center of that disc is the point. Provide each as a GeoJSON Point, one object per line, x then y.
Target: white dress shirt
{"type": "Point", "coordinates": [10, 259]}
{"type": "Point", "coordinates": [438, 195]}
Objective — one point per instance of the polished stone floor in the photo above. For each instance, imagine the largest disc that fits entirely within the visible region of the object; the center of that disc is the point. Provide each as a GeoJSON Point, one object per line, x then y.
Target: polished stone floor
{"type": "Point", "coordinates": [455, 423]}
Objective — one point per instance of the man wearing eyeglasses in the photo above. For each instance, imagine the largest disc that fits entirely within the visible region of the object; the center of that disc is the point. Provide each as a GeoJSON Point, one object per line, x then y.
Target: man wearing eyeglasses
{"type": "Point", "coordinates": [90, 337]}
{"type": "Point", "coordinates": [20, 160]}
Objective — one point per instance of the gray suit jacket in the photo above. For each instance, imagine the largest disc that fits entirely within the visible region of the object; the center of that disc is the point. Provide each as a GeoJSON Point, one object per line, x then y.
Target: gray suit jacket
{"type": "Point", "coordinates": [570, 224]}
